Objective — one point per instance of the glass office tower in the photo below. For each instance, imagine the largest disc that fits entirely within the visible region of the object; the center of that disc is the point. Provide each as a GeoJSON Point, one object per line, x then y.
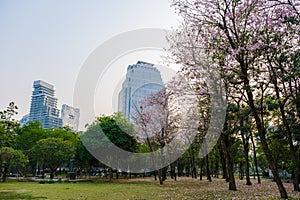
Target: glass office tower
{"type": "Point", "coordinates": [44, 105]}
{"type": "Point", "coordinates": [142, 79]}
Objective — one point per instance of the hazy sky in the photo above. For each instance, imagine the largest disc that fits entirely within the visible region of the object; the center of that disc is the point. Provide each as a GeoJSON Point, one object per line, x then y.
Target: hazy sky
{"type": "Point", "coordinates": [51, 39]}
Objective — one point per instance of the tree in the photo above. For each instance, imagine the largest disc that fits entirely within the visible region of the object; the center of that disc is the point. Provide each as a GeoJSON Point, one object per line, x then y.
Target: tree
{"type": "Point", "coordinates": [11, 159]}
{"type": "Point", "coordinates": [52, 153]}
{"type": "Point", "coordinates": [10, 111]}
{"type": "Point", "coordinates": [64, 133]}
{"type": "Point", "coordinates": [157, 119]}
{"type": "Point", "coordinates": [8, 126]}
{"type": "Point", "coordinates": [232, 34]}
{"type": "Point", "coordinates": [280, 51]}
{"type": "Point", "coordinates": [107, 131]}
{"type": "Point", "coordinates": [84, 159]}
{"type": "Point", "coordinates": [28, 135]}
{"type": "Point", "coordinates": [227, 140]}
{"type": "Point", "coordinates": [243, 128]}
{"type": "Point", "coordinates": [119, 131]}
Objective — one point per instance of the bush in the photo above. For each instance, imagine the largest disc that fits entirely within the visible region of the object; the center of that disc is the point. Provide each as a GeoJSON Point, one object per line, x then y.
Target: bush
{"type": "Point", "coordinates": [42, 181]}
{"type": "Point", "coordinates": [50, 181]}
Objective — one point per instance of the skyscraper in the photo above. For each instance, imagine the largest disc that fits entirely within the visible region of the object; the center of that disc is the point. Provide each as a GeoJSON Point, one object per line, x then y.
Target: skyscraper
{"type": "Point", "coordinates": [70, 117]}
{"type": "Point", "coordinates": [142, 79]}
{"type": "Point", "coordinates": [44, 105]}
{"type": "Point", "coordinates": [24, 120]}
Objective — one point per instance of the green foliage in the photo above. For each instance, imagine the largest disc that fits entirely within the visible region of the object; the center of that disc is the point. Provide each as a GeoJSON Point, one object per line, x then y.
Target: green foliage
{"type": "Point", "coordinates": [10, 111]}
{"type": "Point", "coordinates": [28, 135]}
{"type": "Point", "coordinates": [32, 133]}
{"type": "Point", "coordinates": [52, 152]}
{"type": "Point", "coordinates": [8, 126]}
{"type": "Point", "coordinates": [117, 131]}
{"type": "Point", "coordinates": [50, 181]}
{"type": "Point", "coordinates": [83, 157]}
{"type": "Point", "coordinates": [63, 133]}
{"type": "Point", "coordinates": [143, 148]}
{"type": "Point", "coordinates": [279, 146]}
{"type": "Point", "coordinates": [11, 159]}
{"type": "Point", "coordinates": [42, 181]}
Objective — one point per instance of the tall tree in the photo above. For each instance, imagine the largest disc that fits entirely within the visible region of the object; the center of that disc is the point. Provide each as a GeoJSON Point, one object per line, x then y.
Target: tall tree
{"type": "Point", "coordinates": [8, 125]}
{"type": "Point", "coordinates": [231, 33]}
{"type": "Point", "coordinates": [284, 77]}
{"type": "Point", "coordinates": [52, 153]}
{"type": "Point", "coordinates": [10, 111]}
{"type": "Point", "coordinates": [243, 128]}
{"type": "Point", "coordinates": [157, 123]}
{"type": "Point", "coordinates": [11, 159]}
{"type": "Point", "coordinates": [107, 131]}
{"type": "Point", "coordinates": [28, 135]}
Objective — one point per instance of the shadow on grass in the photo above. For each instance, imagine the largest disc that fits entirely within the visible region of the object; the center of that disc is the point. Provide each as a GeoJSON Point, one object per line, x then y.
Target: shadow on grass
{"type": "Point", "coordinates": [17, 195]}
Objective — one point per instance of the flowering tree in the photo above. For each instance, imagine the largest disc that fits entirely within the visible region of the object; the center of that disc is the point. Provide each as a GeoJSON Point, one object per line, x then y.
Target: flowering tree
{"type": "Point", "coordinates": [157, 122]}
{"type": "Point", "coordinates": [238, 36]}
{"type": "Point", "coordinates": [168, 121]}
{"type": "Point", "coordinates": [281, 57]}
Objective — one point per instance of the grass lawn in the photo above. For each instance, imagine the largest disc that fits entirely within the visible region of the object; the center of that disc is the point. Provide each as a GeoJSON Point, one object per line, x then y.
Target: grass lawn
{"type": "Point", "coordinates": [142, 189]}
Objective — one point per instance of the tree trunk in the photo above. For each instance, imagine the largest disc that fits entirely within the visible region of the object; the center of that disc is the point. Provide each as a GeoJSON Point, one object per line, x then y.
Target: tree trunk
{"type": "Point", "coordinates": [207, 168]}
{"type": "Point", "coordinates": [231, 179]}
{"type": "Point", "coordinates": [175, 173]}
{"type": "Point", "coordinates": [223, 161]}
{"type": "Point", "coordinates": [5, 169]}
{"type": "Point", "coordinates": [248, 181]}
{"type": "Point", "coordinates": [111, 174]}
{"type": "Point", "coordinates": [262, 134]}
{"type": "Point", "coordinates": [291, 145]}
{"type": "Point", "coordinates": [201, 169]}
{"type": "Point", "coordinates": [25, 171]}
{"type": "Point", "coordinates": [245, 139]}
{"type": "Point", "coordinates": [172, 170]}
{"type": "Point", "coordinates": [194, 170]}
{"type": "Point", "coordinates": [164, 173]}
{"type": "Point", "coordinates": [217, 168]}
{"type": "Point", "coordinates": [241, 176]}
{"type": "Point", "coordinates": [255, 159]}
{"type": "Point", "coordinates": [296, 164]}
{"type": "Point", "coordinates": [160, 176]}
{"type": "Point", "coordinates": [52, 173]}
{"type": "Point", "coordinates": [43, 173]}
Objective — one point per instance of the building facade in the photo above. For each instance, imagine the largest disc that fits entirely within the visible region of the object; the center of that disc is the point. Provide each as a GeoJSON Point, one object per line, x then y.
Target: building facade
{"type": "Point", "coordinates": [70, 117]}
{"type": "Point", "coordinates": [44, 105]}
{"type": "Point", "coordinates": [142, 79]}
{"type": "Point", "coordinates": [24, 120]}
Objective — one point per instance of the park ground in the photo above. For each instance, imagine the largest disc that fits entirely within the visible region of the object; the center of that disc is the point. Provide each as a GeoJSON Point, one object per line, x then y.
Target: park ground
{"type": "Point", "coordinates": [142, 189]}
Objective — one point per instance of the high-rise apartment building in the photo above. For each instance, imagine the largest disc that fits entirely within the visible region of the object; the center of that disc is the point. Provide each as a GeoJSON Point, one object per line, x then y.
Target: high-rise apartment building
{"type": "Point", "coordinates": [70, 117]}
{"type": "Point", "coordinates": [44, 105]}
{"type": "Point", "coordinates": [142, 79]}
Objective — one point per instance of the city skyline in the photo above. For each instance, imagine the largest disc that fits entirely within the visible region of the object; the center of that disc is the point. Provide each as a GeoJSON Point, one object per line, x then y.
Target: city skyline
{"type": "Point", "coordinates": [50, 40]}
{"type": "Point", "coordinates": [164, 78]}
{"type": "Point", "coordinates": [43, 108]}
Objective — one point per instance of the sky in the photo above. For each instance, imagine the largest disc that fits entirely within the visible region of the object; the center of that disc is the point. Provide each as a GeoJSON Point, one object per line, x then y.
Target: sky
{"type": "Point", "coordinates": [50, 40]}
